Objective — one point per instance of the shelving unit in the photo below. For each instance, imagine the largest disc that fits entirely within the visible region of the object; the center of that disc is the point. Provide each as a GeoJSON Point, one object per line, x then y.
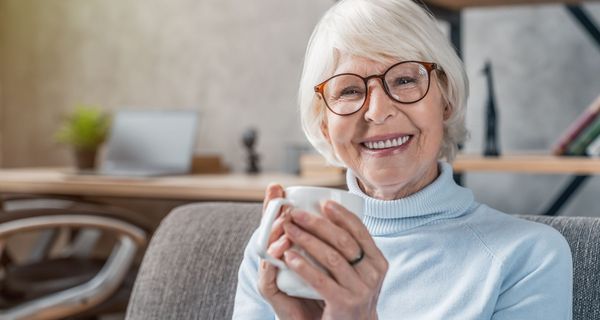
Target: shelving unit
{"type": "Point", "coordinates": [579, 168]}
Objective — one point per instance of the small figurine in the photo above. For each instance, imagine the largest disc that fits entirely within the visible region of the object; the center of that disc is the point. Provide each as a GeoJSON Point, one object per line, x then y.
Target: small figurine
{"type": "Point", "coordinates": [492, 147]}
{"type": "Point", "coordinates": [249, 140]}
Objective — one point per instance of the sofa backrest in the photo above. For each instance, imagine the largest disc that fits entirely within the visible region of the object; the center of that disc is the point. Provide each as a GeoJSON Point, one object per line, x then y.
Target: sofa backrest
{"type": "Point", "coordinates": [190, 267]}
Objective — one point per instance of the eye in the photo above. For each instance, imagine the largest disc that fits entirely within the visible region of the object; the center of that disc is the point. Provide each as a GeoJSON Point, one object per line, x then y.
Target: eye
{"type": "Point", "coordinates": [348, 93]}
{"type": "Point", "coordinates": [404, 81]}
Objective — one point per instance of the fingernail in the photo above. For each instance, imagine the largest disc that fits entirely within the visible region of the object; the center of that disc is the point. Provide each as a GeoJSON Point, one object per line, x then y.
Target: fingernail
{"type": "Point", "coordinates": [285, 212]}
{"type": "Point", "coordinates": [281, 241]}
{"type": "Point", "coordinates": [290, 256]}
{"type": "Point", "coordinates": [299, 215]}
{"type": "Point", "coordinates": [323, 204]}
{"type": "Point", "coordinates": [332, 206]}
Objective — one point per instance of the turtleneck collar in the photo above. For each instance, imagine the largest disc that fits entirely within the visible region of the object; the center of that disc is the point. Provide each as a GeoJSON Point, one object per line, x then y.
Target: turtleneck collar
{"type": "Point", "coordinates": [442, 199]}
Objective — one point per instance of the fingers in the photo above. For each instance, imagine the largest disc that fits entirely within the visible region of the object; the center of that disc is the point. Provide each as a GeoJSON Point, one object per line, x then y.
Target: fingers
{"type": "Point", "coordinates": [273, 191]}
{"type": "Point", "coordinates": [266, 280]}
{"type": "Point", "coordinates": [330, 258]}
{"type": "Point", "coordinates": [316, 278]}
{"type": "Point", "coordinates": [348, 221]}
{"type": "Point", "coordinates": [344, 232]}
{"type": "Point", "coordinates": [277, 228]}
{"type": "Point", "coordinates": [326, 230]}
{"type": "Point", "coordinates": [277, 248]}
{"type": "Point", "coordinates": [268, 272]}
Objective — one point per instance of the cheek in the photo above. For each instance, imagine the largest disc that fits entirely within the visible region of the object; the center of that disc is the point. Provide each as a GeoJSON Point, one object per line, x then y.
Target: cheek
{"type": "Point", "coordinates": [436, 136]}
{"type": "Point", "coordinates": [431, 127]}
{"type": "Point", "coordinates": [341, 130]}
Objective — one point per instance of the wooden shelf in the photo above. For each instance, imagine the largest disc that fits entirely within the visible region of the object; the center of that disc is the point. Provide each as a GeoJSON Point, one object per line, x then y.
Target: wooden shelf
{"type": "Point", "coordinates": [528, 163]}
{"type": "Point", "coordinates": [461, 4]}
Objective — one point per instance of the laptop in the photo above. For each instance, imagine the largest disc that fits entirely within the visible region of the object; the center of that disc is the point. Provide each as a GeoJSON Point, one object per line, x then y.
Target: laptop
{"type": "Point", "coordinates": [144, 143]}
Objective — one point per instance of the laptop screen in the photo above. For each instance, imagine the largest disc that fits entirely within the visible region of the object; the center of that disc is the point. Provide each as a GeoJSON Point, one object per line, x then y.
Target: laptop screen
{"type": "Point", "coordinates": [162, 140]}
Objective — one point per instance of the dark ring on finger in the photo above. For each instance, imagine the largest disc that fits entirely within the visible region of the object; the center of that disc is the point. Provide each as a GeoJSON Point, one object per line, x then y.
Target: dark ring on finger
{"type": "Point", "coordinates": [361, 255]}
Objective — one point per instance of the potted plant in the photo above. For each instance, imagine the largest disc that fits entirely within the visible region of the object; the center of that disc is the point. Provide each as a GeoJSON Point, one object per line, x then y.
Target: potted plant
{"type": "Point", "coordinates": [84, 129]}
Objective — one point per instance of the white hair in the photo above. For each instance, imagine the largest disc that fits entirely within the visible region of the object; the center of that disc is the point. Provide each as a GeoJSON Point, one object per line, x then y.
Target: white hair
{"type": "Point", "coordinates": [381, 30]}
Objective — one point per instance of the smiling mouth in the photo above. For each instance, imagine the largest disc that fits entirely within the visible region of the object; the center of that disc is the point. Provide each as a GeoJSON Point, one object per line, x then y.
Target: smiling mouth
{"type": "Point", "coordinates": [386, 144]}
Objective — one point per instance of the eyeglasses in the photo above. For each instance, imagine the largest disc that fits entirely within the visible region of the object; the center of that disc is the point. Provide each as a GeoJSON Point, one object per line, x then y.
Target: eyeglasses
{"type": "Point", "coordinates": [405, 82]}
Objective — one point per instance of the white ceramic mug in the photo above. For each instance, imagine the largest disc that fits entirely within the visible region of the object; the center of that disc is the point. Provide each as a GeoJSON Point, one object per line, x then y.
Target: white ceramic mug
{"type": "Point", "coordinates": [308, 199]}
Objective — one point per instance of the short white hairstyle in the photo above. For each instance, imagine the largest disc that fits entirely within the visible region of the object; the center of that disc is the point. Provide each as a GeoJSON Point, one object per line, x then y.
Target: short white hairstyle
{"type": "Point", "coordinates": [381, 30]}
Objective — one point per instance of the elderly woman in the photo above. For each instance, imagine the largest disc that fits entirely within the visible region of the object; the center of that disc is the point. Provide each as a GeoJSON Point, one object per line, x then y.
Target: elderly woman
{"type": "Point", "coordinates": [383, 94]}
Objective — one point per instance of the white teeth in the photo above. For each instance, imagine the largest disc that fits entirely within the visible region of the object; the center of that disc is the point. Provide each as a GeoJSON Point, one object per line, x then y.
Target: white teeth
{"type": "Point", "coordinates": [387, 143]}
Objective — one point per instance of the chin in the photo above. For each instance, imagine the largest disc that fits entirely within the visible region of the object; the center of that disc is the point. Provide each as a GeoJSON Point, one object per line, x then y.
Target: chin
{"type": "Point", "coordinates": [382, 178]}
{"type": "Point", "coordinates": [396, 178]}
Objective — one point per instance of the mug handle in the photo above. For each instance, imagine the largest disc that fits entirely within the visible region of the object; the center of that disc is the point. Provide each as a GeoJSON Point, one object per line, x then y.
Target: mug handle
{"type": "Point", "coordinates": [265, 230]}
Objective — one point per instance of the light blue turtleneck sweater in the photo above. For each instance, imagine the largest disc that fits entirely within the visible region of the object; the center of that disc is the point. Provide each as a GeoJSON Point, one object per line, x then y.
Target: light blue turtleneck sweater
{"type": "Point", "coordinates": [450, 258]}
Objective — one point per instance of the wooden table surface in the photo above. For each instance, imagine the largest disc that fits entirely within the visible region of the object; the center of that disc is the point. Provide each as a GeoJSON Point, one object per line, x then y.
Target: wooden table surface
{"type": "Point", "coordinates": [233, 187]}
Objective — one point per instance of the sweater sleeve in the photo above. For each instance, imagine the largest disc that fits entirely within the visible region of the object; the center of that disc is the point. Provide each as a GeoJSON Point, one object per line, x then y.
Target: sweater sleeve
{"type": "Point", "coordinates": [249, 304]}
{"type": "Point", "coordinates": [538, 281]}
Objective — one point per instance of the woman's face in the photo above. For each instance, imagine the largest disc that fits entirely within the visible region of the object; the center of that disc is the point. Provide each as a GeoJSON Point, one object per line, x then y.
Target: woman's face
{"type": "Point", "coordinates": [394, 172]}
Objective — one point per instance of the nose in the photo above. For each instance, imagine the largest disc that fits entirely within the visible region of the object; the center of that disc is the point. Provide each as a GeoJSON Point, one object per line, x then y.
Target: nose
{"type": "Point", "coordinates": [379, 107]}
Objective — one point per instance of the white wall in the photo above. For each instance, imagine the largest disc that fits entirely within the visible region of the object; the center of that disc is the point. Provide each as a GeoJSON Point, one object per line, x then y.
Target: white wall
{"type": "Point", "coordinates": [238, 63]}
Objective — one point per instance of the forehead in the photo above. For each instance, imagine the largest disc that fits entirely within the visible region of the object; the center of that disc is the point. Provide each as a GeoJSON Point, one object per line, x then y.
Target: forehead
{"type": "Point", "coordinates": [347, 63]}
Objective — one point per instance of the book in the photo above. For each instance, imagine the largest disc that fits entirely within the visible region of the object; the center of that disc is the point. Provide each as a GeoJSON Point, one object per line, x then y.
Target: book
{"type": "Point", "coordinates": [593, 150]}
{"type": "Point", "coordinates": [590, 133]}
{"type": "Point", "coordinates": [576, 127]}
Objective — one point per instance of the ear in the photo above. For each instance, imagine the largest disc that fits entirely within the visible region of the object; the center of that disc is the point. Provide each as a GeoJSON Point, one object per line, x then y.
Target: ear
{"type": "Point", "coordinates": [447, 111]}
{"type": "Point", "coordinates": [325, 129]}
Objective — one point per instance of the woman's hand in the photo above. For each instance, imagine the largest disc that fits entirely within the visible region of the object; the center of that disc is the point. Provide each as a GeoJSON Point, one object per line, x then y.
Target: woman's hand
{"type": "Point", "coordinates": [334, 240]}
{"type": "Point", "coordinates": [285, 307]}
{"type": "Point", "coordinates": [341, 243]}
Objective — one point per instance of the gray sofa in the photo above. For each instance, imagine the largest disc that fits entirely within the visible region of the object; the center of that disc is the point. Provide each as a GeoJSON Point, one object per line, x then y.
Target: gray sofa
{"type": "Point", "coordinates": [190, 268]}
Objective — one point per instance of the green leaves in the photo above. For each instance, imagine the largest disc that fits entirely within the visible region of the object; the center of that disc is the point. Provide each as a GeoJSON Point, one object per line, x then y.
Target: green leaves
{"type": "Point", "coordinates": [85, 129]}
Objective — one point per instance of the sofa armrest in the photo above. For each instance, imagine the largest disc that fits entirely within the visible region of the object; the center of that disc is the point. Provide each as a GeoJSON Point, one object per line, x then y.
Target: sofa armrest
{"type": "Point", "coordinates": [190, 268]}
{"type": "Point", "coordinates": [583, 236]}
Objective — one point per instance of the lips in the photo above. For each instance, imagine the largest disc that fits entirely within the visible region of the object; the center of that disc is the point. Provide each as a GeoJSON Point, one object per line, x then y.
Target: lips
{"type": "Point", "coordinates": [382, 143]}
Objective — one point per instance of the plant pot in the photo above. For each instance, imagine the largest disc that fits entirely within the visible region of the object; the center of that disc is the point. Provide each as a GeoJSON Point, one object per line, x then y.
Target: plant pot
{"type": "Point", "coordinates": [85, 159]}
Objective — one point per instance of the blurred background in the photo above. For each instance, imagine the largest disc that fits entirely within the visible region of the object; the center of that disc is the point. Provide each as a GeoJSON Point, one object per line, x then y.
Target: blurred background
{"type": "Point", "coordinates": [238, 65]}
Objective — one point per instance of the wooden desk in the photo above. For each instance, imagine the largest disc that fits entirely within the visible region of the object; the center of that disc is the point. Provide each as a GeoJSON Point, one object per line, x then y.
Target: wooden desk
{"type": "Point", "coordinates": [151, 198]}
{"type": "Point", "coordinates": [230, 187]}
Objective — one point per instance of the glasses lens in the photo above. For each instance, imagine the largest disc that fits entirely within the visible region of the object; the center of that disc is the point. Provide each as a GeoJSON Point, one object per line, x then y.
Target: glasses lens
{"type": "Point", "coordinates": [407, 82]}
{"type": "Point", "coordinates": [345, 93]}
